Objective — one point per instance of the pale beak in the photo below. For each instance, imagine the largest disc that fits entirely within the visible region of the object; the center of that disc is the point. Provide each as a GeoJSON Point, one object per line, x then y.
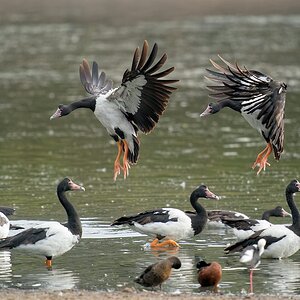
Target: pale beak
{"type": "Point", "coordinates": [57, 114]}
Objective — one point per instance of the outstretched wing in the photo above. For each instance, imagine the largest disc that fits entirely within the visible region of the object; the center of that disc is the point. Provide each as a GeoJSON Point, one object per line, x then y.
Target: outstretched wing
{"type": "Point", "coordinates": [258, 95]}
{"type": "Point", "coordinates": [143, 95]}
{"type": "Point", "coordinates": [94, 81]}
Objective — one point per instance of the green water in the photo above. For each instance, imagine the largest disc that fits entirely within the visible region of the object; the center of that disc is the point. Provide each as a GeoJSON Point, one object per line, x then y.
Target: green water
{"type": "Point", "coordinates": [39, 70]}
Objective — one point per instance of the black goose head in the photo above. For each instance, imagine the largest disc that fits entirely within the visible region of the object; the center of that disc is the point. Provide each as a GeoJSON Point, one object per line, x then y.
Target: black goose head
{"type": "Point", "coordinates": [68, 185]}
{"type": "Point", "coordinates": [279, 211]}
{"type": "Point", "coordinates": [61, 111]}
{"type": "Point", "coordinates": [203, 192]}
{"type": "Point", "coordinates": [293, 187]}
{"type": "Point", "coordinates": [212, 108]}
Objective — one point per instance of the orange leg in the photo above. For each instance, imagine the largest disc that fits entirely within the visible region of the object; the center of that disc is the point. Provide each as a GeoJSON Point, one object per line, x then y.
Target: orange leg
{"type": "Point", "coordinates": [169, 243]}
{"type": "Point", "coordinates": [126, 165]}
{"type": "Point", "coordinates": [262, 159]}
{"type": "Point", "coordinates": [48, 263]}
{"type": "Point", "coordinates": [117, 166]}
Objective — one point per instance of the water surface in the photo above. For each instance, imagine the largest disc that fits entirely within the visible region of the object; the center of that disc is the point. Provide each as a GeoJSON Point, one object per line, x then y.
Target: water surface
{"type": "Point", "coordinates": [39, 70]}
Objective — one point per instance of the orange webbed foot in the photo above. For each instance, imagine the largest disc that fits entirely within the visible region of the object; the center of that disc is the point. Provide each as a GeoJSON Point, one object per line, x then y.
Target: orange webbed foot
{"type": "Point", "coordinates": [167, 243]}
{"type": "Point", "coordinates": [262, 159]}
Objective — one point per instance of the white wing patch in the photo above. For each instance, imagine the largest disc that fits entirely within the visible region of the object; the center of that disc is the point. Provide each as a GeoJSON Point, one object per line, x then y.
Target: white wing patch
{"type": "Point", "coordinates": [132, 91]}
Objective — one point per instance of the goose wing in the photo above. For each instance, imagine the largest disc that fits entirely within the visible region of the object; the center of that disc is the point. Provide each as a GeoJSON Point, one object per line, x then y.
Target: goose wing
{"type": "Point", "coordinates": [94, 80]}
{"type": "Point", "coordinates": [26, 237]}
{"type": "Point", "coordinates": [143, 95]}
{"type": "Point", "coordinates": [257, 93]}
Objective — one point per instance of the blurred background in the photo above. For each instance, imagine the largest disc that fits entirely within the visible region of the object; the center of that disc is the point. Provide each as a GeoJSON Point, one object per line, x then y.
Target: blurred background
{"type": "Point", "coordinates": [42, 44]}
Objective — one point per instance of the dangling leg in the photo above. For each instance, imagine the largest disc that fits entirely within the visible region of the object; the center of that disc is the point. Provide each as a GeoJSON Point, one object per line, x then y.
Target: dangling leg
{"type": "Point", "coordinates": [262, 159]}
{"type": "Point", "coordinates": [117, 166]}
{"type": "Point", "coordinates": [126, 165]}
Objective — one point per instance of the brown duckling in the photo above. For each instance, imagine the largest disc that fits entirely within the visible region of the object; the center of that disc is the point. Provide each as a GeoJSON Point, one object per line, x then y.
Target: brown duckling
{"type": "Point", "coordinates": [159, 272]}
{"type": "Point", "coordinates": [209, 274]}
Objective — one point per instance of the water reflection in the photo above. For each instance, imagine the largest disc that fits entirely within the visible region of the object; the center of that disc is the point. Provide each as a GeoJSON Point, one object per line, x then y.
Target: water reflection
{"type": "Point", "coordinates": [5, 268]}
{"type": "Point", "coordinates": [56, 279]}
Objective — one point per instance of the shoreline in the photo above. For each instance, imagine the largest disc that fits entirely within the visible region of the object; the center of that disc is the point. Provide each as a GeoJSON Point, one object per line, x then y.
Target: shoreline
{"type": "Point", "coordinates": [13, 294]}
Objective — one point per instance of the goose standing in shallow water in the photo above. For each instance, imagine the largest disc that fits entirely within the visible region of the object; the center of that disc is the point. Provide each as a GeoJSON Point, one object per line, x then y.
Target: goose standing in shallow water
{"type": "Point", "coordinates": [159, 272]}
{"type": "Point", "coordinates": [170, 223]}
{"type": "Point", "coordinates": [260, 100]}
{"type": "Point", "coordinates": [52, 238]}
{"type": "Point", "coordinates": [281, 240]}
{"type": "Point", "coordinates": [135, 105]}
{"type": "Point", "coordinates": [251, 256]}
{"type": "Point", "coordinates": [244, 228]}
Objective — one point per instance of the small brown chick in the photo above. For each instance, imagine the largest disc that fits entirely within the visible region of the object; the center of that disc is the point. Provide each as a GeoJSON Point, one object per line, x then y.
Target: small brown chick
{"type": "Point", "coordinates": [159, 272]}
{"type": "Point", "coordinates": [209, 274]}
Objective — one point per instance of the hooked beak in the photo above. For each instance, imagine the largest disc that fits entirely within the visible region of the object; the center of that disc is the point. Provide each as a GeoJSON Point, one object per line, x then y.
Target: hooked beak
{"type": "Point", "coordinates": [206, 112]}
{"type": "Point", "coordinates": [285, 213]}
{"type": "Point", "coordinates": [57, 114]}
{"type": "Point", "coordinates": [75, 187]}
{"type": "Point", "coordinates": [211, 195]}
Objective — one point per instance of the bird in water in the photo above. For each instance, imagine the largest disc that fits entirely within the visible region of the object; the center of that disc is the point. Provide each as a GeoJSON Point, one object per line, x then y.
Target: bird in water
{"type": "Point", "coordinates": [136, 104]}
{"type": "Point", "coordinates": [251, 257]}
{"type": "Point", "coordinates": [159, 272]}
{"type": "Point", "coordinates": [281, 240]}
{"type": "Point", "coordinates": [257, 97]}
{"type": "Point", "coordinates": [244, 228]}
{"type": "Point", "coordinates": [171, 224]}
{"type": "Point", "coordinates": [51, 238]}
{"type": "Point", "coordinates": [209, 274]}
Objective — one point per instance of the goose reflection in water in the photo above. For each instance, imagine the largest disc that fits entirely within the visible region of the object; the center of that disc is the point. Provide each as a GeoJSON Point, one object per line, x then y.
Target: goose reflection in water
{"type": "Point", "coordinates": [54, 280]}
{"type": "Point", "coordinates": [5, 267]}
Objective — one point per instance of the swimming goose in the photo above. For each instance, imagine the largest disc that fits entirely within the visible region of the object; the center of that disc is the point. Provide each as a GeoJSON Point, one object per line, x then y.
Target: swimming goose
{"type": "Point", "coordinates": [159, 272]}
{"type": "Point", "coordinates": [281, 240]}
{"type": "Point", "coordinates": [244, 228]}
{"type": "Point", "coordinates": [259, 99]}
{"type": "Point", "coordinates": [171, 223]}
{"type": "Point", "coordinates": [135, 105]}
{"type": "Point", "coordinates": [251, 257]}
{"type": "Point", "coordinates": [52, 238]}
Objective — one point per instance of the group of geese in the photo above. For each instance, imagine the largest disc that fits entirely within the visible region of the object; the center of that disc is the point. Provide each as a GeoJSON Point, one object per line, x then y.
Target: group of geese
{"type": "Point", "coordinates": [136, 105]}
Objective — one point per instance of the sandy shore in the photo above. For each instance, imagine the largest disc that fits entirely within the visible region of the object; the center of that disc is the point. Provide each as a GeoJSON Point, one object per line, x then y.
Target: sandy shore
{"type": "Point", "coordinates": [127, 294]}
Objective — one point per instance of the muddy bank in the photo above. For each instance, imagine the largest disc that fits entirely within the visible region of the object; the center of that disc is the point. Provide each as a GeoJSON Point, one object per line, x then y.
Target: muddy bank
{"type": "Point", "coordinates": [129, 294]}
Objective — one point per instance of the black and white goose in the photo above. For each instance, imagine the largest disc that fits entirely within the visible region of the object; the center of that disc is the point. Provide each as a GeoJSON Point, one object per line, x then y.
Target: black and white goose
{"type": "Point", "coordinates": [4, 223]}
{"type": "Point", "coordinates": [251, 257]}
{"type": "Point", "coordinates": [281, 240]}
{"type": "Point", "coordinates": [171, 223]}
{"type": "Point", "coordinates": [244, 228]}
{"type": "Point", "coordinates": [260, 100]}
{"type": "Point", "coordinates": [52, 238]}
{"type": "Point", "coordinates": [135, 105]}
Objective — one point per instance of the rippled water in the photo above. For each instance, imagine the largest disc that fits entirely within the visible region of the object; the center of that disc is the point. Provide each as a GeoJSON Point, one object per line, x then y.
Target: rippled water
{"type": "Point", "coordinates": [39, 70]}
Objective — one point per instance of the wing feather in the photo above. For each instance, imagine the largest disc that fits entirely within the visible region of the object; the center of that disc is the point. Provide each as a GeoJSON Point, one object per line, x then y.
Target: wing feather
{"type": "Point", "coordinates": [93, 83]}
{"type": "Point", "coordinates": [256, 92]}
{"type": "Point", "coordinates": [143, 96]}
